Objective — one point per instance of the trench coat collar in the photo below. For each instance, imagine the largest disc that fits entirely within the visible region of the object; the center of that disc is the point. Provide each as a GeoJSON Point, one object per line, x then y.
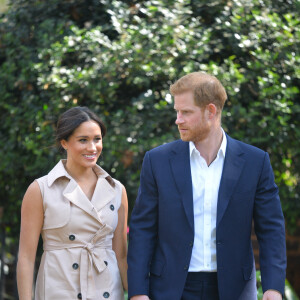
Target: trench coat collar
{"type": "Point", "coordinates": [60, 171]}
{"type": "Point", "coordinates": [104, 191]}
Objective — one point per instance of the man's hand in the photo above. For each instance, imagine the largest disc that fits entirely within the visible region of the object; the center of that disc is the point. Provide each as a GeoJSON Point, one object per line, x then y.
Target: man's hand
{"type": "Point", "coordinates": [140, 297]}
{"type": "Point", "coordinates": [272, 295]}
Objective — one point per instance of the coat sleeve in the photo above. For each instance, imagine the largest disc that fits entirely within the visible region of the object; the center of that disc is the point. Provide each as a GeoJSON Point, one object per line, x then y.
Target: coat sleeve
{"type": "Point", "coordinates": [142, 232]}
{"type": "Point", "coordinates": [270, 230]}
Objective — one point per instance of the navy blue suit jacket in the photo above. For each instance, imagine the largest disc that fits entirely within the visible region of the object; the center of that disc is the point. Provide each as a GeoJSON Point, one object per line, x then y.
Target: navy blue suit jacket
{"type": "Point", "coordinates": [162, 223]}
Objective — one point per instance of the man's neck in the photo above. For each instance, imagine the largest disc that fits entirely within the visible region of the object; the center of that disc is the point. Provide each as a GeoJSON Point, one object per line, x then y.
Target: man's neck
{"type": "Point", "coordinates": [210, 146]}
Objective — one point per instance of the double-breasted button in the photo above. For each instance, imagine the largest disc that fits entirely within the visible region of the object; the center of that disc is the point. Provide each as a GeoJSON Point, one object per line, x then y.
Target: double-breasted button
{"type": "Point", "coordinates": [106, 295]}
{"type": "Point", "coordinates": [79, 296]}
{"type": "Point", "coordinates": [186, 267]}
{"type": "Point", "coordinates": [191, 244]}
{"type": "Point", "coordinates": [106, 263]}
{"type": "Point", "coordinates": [75, 266]}
{"type": "Point", "coordinates": [71, 237]}
{"type": "Point", "coordinates": [112, 207]}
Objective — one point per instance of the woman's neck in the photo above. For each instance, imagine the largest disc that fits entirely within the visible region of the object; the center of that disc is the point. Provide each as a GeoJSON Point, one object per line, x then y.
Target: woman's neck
{"type": "Point", "coordinates": [80, 174]}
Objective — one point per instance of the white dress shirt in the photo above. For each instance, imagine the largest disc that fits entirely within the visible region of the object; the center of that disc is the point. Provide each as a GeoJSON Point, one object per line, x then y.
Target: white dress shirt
{"type": "Point", "coordinates": [206, 182]}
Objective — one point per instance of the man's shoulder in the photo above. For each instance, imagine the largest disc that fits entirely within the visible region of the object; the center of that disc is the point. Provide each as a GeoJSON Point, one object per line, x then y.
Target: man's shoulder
{"type": "Point", "coordinates": [244, 147]}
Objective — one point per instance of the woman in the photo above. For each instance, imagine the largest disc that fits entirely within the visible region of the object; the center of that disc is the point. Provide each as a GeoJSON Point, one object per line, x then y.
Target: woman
{"type": "Point", "coordinates": [81, 213]}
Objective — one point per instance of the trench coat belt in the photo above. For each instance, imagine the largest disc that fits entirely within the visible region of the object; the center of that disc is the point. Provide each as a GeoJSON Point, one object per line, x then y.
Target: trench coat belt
{"type": "Point", "coordinates": [92, 259]}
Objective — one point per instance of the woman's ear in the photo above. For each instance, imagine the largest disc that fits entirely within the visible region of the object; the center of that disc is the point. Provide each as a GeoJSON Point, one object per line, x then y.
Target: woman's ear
{"type": "Point", "coordinates": [64, 144]}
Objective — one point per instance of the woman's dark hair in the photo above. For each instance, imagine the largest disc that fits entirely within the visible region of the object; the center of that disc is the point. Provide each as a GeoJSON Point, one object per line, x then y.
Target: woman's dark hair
{"type": "Point", "coordinates": [72, 119]}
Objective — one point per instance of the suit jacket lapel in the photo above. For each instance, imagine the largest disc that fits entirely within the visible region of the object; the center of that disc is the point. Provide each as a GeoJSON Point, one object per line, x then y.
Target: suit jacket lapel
{"type": "Point", "coordinates": [233, 166]}
{"type": "Point", "coordinates": [180, 165]}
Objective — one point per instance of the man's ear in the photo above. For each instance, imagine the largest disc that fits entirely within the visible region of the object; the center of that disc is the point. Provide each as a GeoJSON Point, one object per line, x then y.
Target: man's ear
{"type": "Point", "coordinates": [212, 110]}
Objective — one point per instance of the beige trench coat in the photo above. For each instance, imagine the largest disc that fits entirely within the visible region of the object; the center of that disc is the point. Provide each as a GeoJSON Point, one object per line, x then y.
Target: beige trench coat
{"type": "Point", "coordinates": [78, 261]}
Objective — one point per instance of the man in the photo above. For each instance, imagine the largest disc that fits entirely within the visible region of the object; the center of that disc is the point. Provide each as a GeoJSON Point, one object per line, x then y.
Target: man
{"type": "Point", "coordinates": [190, 230]}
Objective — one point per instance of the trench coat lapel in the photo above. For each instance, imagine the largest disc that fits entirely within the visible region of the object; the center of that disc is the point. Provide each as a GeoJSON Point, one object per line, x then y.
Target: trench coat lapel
{"type": "Point", "coordinates": [180, 165]}
{"type": "Point", "coordinates": [75, 195]}
{"type": "Point", "coordinates": [232, 169]}
{"type": "Point", "coordinates": [103, 194]}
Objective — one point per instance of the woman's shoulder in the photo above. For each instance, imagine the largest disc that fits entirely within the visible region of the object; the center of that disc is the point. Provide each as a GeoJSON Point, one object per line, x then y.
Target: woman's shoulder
{"type": "Point", "coordinates": [33, 193]}
{"type": "Point", "coordinates": [33, 187]}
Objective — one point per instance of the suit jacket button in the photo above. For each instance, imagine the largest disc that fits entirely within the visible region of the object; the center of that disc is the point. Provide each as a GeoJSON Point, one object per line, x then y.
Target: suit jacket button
{"type": "Point", "coordinates": [106, 295]}
{"type": "Point", "coordinates": [75, 266]}
{"type": "Point", "coordinates": [191, 244]}
{"type": "Point", "coordinates": [71, 237]}
{"type": "Point", "coordinates": [79, 296]}
{"type": "Point", "coordinates": [186, 267]}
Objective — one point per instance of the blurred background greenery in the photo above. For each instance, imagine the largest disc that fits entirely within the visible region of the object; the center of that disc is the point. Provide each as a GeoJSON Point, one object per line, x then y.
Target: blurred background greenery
{"type": "Point", "coordinates": [3, 5]}
{"type": "Point", "coordinates": [119, 58]}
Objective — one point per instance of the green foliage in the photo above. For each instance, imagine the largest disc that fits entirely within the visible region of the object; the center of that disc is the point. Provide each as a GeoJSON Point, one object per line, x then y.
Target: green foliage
{"type": "Point", "coordinates": [119, 58]}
